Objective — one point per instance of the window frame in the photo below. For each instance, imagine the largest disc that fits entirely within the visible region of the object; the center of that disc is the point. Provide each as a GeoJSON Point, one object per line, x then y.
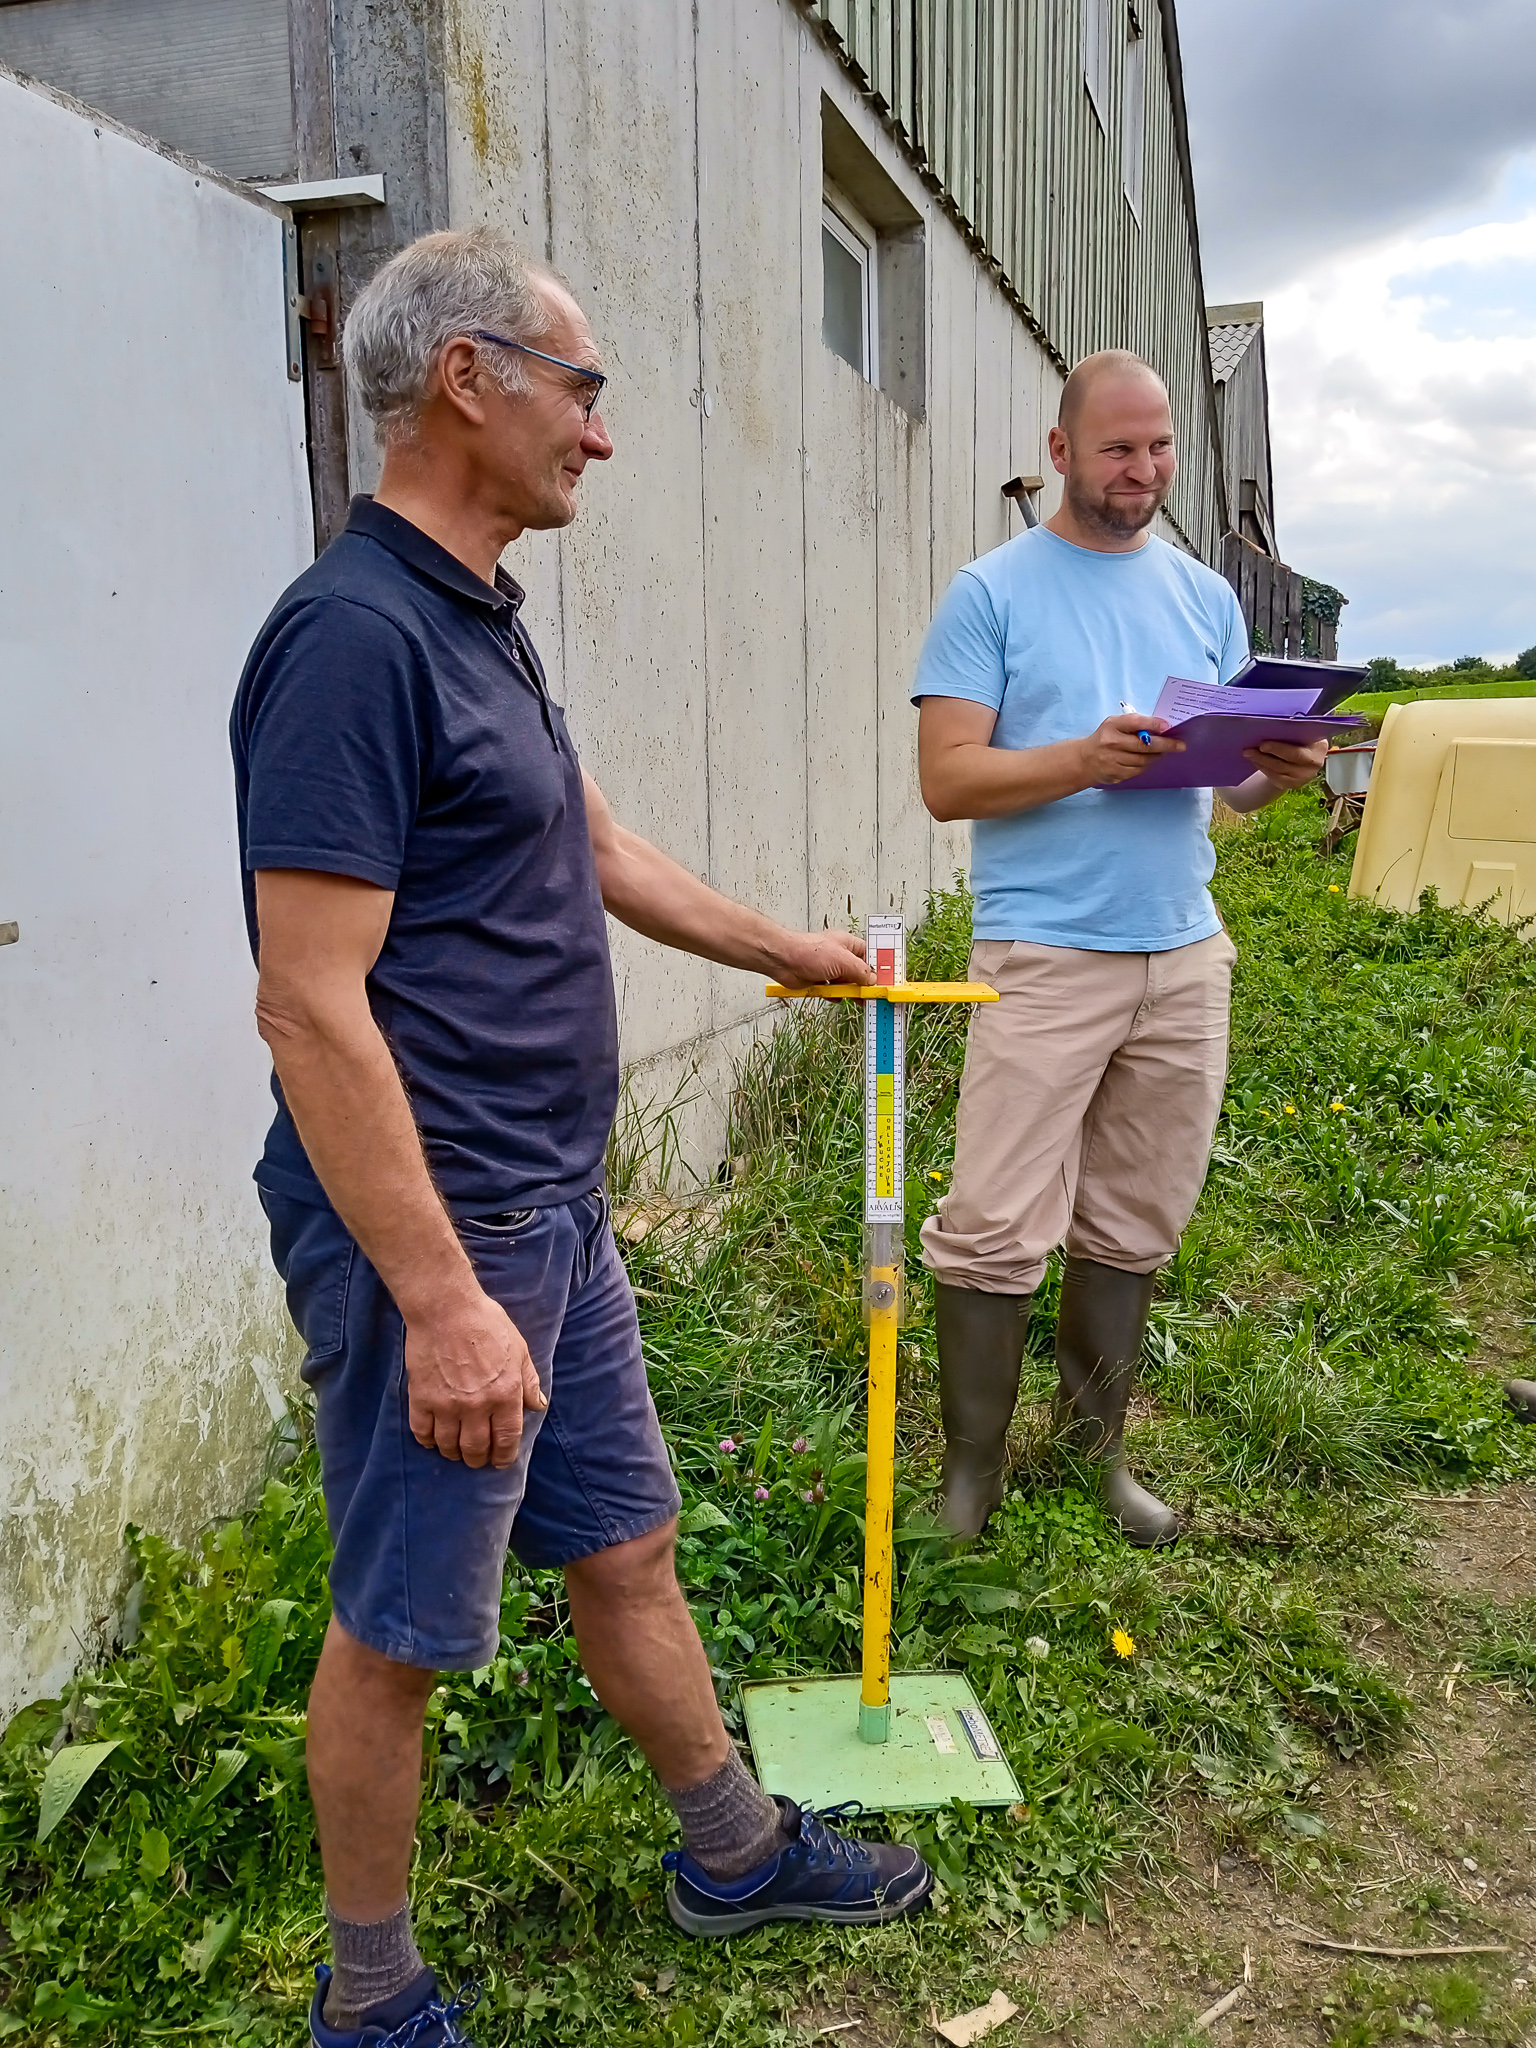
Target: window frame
{"type": "Point", "coordinates": [1133, 117]}
{"type": "Point", "coordinates": [1097, 67]}
{"type": "Point", "coordinates": [849, 227]}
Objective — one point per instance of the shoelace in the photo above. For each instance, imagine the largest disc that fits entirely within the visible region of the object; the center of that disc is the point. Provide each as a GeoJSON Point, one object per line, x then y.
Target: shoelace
{"type": "Point", "coordinates": [819, 1837]}
{"type": "Point", "coordinates": [435, 2014]}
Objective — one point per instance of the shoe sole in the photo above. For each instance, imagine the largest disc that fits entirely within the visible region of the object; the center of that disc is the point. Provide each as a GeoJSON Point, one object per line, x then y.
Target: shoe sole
{"type": "Point", "coordinates": [708, 1927]}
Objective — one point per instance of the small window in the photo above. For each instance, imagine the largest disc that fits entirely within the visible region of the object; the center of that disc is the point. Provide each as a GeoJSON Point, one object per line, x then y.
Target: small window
{"type": "Point", "coordinates": [1096, 57]}
{"type": "Point", "coordinates": [1133, 115]}
{"type": "Point", "coordinates": [850, 317]}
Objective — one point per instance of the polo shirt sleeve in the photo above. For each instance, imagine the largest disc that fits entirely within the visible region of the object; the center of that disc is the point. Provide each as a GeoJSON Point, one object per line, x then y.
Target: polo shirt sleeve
{"type": "Point", "coordinates": [1234, 648]}
{"type": "Point", "coordinates": [334, 745]}
{"type": "Point", "coordinates": [963, 653]}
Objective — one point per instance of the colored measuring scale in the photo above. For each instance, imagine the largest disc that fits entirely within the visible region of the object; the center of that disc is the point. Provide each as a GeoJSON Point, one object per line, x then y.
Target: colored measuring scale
{"type": "Point", "coordinates": [919, 1739]}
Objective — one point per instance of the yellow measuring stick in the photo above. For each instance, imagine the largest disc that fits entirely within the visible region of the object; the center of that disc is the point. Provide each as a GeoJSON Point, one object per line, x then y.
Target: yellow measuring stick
{"type": "Point", "coordinates": [884, 1174]}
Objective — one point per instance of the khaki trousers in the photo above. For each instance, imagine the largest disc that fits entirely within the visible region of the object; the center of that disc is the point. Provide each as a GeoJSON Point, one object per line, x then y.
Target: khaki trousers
{"type": "Point", "coordinates": [1087, 1107]}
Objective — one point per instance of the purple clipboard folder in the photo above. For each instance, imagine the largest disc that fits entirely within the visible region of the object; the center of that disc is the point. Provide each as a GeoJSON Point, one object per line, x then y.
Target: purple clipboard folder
{"type": "Point", "coordinates": [1213, 749]}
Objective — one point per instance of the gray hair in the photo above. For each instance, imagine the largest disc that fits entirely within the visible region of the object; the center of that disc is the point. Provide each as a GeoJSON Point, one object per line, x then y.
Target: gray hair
{"type": "Point", "coordinates": [437, 287]}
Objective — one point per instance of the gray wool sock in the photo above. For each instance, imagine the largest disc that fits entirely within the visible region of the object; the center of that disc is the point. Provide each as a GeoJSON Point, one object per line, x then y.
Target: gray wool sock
{"type": "Point", "coordinates": [372, 1960]}
{"type": "Point", "coordinates": [729, 1823]}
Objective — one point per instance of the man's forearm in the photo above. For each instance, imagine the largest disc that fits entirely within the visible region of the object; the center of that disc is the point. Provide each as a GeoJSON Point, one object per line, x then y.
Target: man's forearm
{"type": "Point", "coordinates": [1251, 795]}
{"type": "Point", "coordinates": [356, 1126]}
{"type": "Point", "coordinates": [648, 890]}
{"type": "Point", "coordinates": [977, 781]}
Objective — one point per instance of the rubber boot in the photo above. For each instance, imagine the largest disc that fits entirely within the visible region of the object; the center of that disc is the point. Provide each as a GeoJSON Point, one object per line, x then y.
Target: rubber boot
{"type": "Point", "coordinates": [981, 1348]}
{"type": "Point", "coordinates": [1521, 1395]}
{"type": "Point", "coordinates": [1098, 1341]}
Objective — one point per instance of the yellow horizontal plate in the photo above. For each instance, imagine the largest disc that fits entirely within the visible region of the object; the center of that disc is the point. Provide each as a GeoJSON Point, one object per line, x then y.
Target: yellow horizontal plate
{"type": "Point", "coordinates": [901, 992]}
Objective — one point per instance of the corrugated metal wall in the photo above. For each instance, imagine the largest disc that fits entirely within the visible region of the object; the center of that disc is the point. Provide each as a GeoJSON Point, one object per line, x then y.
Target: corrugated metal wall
{"type": "Point", "coordinates": [1243, 403]}
{"type": "Point", "coordinates": [208, 77]}
{"type": "Point", "coordinates": [989, 97]}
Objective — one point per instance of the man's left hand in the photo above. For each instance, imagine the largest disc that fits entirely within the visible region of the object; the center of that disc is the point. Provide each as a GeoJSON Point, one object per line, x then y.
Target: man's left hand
{"type": "Point", "coordinates": [807, 959]}
{"type": "Point", "coordinates": [1286, 766]}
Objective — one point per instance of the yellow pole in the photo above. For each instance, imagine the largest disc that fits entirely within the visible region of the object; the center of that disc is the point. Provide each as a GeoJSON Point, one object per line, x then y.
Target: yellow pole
{"type": "Point", "coordinates": [879, 1502]}
{"type": "Point", "coordinates": [882, 1285]}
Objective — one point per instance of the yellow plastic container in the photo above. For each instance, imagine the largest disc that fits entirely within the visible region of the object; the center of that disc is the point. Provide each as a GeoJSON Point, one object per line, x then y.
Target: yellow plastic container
{"type": "Point", "coordinates": [1452, 807]}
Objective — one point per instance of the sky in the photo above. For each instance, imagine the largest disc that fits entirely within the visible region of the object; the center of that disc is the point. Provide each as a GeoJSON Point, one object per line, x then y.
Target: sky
{"type": "Point", "coordinates": [1369, 172]}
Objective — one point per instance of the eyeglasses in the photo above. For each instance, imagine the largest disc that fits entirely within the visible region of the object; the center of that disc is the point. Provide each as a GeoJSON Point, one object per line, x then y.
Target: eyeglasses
{"type": "Point", "coordinates": [595, 378]}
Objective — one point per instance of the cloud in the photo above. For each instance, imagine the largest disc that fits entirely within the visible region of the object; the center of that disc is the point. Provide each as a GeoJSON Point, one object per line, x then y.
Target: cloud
{"type": "Point", "coordinates": [1318, 124]}
{"type": "Point", "coordinates": [1403, 412]}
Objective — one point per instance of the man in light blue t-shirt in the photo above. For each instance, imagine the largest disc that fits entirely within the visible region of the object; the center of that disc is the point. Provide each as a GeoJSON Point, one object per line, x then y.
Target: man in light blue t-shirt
{"type": "Point", "coordinates": [1091, 1089]}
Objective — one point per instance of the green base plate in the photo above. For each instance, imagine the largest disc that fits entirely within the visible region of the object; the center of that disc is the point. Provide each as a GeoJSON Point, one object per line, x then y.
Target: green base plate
{"type": "Point", "coordinates": [806, 1744]}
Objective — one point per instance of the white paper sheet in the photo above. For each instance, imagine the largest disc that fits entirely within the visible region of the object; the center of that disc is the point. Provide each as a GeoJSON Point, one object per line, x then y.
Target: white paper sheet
{"type": "Point", "coordinates": [1180, 699]}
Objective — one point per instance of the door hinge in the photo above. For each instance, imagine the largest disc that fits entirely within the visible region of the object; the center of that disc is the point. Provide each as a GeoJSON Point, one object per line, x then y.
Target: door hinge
{"type": "Point", "coordinates": [315, 308]}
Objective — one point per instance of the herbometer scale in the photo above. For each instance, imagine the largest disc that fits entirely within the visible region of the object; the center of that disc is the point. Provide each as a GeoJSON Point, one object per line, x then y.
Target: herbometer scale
{"type": "Point", "coordinates": [919, 1739]}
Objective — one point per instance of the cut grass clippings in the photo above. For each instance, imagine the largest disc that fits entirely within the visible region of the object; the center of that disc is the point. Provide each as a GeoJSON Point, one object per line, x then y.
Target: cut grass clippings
{"type": "Point", "coordinates": [1369, 1218]}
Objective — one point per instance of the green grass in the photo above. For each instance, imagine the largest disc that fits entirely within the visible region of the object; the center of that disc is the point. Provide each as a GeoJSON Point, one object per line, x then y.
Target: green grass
{"type": "Point", "coordinates": [1372, 704]}
{"type": "Point", "coordinates": [1371, 1207]}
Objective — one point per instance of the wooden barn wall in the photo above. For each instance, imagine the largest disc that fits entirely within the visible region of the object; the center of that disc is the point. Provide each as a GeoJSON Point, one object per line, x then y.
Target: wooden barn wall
{"type": "Point", "coordinates": [989, 98]}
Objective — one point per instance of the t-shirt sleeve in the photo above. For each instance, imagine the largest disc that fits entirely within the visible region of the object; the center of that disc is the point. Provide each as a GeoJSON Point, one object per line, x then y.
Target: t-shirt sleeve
{"type": "Point", "coordinates": [963, 653]}
{"type": "Point", "coordinates": [334, 745]}
{"type": "Point", "coordinates": [1234, 649]}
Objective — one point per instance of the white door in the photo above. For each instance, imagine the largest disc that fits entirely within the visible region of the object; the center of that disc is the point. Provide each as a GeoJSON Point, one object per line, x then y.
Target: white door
{"type": "Point", "coordinates": [153, 503]}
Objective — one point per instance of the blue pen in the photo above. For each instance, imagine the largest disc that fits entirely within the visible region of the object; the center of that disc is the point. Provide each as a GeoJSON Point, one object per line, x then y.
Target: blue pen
{"type": "Point", "coordinates": [1144, 737]}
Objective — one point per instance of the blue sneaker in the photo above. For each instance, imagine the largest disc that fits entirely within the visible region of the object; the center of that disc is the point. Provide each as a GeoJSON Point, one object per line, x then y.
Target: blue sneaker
{"type": "Point", "coordinates": [425, 2022]}
{"type": "Point", "coordinates": [818, 1875]}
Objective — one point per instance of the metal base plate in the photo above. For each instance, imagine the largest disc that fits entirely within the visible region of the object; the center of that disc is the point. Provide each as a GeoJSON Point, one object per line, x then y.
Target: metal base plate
{"type": "Point", "coordinates": [806, 1744]}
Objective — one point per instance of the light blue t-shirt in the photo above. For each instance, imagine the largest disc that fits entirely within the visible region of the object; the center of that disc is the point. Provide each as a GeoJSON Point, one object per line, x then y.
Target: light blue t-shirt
{"type": "Point", "coordinates": [1054, 637]}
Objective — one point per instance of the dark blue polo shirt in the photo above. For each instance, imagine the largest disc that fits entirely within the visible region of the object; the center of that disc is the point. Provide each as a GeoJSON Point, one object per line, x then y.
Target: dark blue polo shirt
{"type": "Point", "coordinates": [393, 723]}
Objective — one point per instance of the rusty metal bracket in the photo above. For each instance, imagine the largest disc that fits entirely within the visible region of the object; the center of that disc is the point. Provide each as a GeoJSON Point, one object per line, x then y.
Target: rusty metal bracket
{"type": "Point", "coordinates": [318, 307]}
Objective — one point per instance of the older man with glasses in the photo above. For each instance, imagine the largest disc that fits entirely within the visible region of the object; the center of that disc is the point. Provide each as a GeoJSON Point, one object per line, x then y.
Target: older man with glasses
{"type": "Point", "coordinates": [426, 869]}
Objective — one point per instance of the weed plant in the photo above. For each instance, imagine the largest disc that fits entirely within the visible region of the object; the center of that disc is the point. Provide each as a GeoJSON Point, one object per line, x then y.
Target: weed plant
{"type": "Point", "coordinates": [1370, 1218]}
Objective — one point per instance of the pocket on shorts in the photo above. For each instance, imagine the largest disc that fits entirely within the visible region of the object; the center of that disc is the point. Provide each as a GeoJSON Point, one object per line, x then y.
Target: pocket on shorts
{"type": "Point", "coordinates": [313, 1251]}
{"type": "Point", "coordinates": [504, 1224]}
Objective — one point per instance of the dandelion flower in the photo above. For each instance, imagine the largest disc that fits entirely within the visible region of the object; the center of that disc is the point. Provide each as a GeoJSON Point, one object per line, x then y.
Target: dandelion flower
{"type": "Point", "coordinates": [760, 1493]}
{"type": "Point", "coordinates": [1336, 1104]}
{"type": "Point", "coordinates": [1037, 1646]}
{"type": "Point", "coordinates": [1124, 1645]}
{"type": "Point", "coordinates": [935, 1176]}
{"type": "Point", "coordinates": [1290, 1108]}
{"type": "Point", "coordinates": [1333, 888]}
{"type": "Point", "coordinates": [728, 1446]}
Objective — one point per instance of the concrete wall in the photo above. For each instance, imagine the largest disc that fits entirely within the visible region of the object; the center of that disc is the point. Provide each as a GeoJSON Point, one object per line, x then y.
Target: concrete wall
{"type": "Point", "coordinates": [155, 504]}
{"type": "Point", "coordinates": [735, 618]}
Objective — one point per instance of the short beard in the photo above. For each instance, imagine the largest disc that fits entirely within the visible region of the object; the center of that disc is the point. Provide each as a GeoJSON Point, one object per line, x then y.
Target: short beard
{"type": "Point", "coordinates": [1100, 517]}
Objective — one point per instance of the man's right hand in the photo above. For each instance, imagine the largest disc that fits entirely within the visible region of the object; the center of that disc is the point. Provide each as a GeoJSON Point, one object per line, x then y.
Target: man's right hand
{"type": "Point", "coordinates": [1116, 752]}
{"type": "Point", "coordinates": [470, 1377]}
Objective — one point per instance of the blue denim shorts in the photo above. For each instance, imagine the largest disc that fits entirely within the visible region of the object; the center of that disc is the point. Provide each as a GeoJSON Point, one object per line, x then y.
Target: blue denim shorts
{"type": "Point", "coordinates": [421, 1540]}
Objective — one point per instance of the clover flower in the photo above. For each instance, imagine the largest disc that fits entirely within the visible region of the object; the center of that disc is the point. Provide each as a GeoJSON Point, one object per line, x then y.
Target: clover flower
{"type": "Point", "coordinates": [760, 1493]}
{"type": "Point", "coordinates": [728, 1446]}
{"type": "Point", "coordinates": [1037, 1646]}
{"type": "Point", "coordinates": [798, 1446]}
{"type": "Point", "coordinates": [1122, 1642]}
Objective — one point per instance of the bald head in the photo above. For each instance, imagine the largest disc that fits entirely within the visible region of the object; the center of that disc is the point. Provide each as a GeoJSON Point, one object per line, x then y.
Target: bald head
{"type": "Point", "coordinates": [1100, 381]}
{"type": "Point", "coordinates": [1113, 444]}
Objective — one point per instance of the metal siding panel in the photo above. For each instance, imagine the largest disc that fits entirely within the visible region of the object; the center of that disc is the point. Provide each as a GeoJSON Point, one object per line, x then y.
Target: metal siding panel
{"type": "Point", "coordinates": [993, 102]}
{"type": "Point", "coordinates": [207, 77]}
{"type": "Point", "coordinates": [635, 644]}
